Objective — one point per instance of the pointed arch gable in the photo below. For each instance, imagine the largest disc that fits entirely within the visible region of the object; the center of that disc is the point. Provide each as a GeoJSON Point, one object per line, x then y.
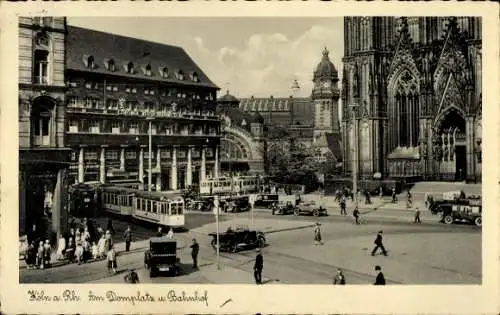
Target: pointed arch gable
{"type": "Point", "coordinates": [441, 116]}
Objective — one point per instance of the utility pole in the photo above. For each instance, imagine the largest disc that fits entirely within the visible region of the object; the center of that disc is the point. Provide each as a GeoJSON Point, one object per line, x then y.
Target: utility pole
{"type": "Point", "coordinates": [355, 154]}
{"type": "Point", "coordinates": [149, 154]}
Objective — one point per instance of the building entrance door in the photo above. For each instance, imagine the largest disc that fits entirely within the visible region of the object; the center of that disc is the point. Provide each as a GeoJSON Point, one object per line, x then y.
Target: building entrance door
{"type": "Point", "coordinates": [461, 163]}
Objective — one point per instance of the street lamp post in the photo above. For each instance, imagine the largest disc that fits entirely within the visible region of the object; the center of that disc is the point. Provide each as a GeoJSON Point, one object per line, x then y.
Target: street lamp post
{"type": "Point", "coordinates": [355, 155]}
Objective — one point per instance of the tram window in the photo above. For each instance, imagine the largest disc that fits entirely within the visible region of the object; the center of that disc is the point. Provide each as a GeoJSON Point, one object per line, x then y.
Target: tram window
{"type": "Point", "coordinates": [173, 209]}
{"type": "Point", "coordinates": [179, 208]}
{"type": "Point", "coordinates": [154, 207]}
{"type": "Point", "coordinates": [130, 200]}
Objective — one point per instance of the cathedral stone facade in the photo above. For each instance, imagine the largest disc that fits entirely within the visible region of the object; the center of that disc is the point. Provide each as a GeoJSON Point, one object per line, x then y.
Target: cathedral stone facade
{"type": "Point", "coordinates": [411, 97]}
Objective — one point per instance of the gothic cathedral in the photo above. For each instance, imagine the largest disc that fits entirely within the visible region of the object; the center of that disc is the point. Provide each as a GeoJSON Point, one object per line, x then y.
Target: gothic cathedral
{"type": "Point", "coordinates": [411, 86]}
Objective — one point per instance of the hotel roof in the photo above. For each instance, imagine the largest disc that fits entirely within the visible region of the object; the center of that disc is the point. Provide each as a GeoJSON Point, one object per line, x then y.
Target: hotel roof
{"type": "Point", "coordinates": [149, 59]}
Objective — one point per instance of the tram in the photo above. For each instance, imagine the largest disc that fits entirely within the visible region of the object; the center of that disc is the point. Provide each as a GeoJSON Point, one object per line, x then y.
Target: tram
{"type": "Point", "coordinates": [225, 185]}
{"type": "Point", "coordinates": [82, 203]}
{"type": "Point", "coordinates": [154, 207]}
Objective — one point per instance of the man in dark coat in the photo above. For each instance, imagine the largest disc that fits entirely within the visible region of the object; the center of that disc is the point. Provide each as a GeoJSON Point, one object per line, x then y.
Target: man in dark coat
{"type": "Point", "coordinates": [355, 213]}
{"type": "Point", "coordinates": [257, 268]}
{"type": "Point", "coordinates": [131, 277]}
{"type": "Point", "coordinates": [127, 236]}
{"type": "Point", "coordinates": [339, 278]}
{"type": "Point", "coordinates": [380, 280]}
{"type": "Point", "coordinates": [159, 233]}
{"type": "Point", "coordinates": [378, 244]}
{"type": "Point", "coordinates": [342, 206]}
{"type": "Point", "coordinates": [195, 248]}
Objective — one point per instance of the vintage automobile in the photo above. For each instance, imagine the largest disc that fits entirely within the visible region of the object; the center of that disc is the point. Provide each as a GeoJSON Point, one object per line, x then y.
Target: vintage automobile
{"type": "Point", "coordinates": [467, 210]}
{"type": "Point", "coordinates": [266, 200]}
{"type": "Point", "coordinates": [237, 204]}
{"type": "Point", "coordinates": [162, 257]}
{"type": "Point", "coordinates": [309, 208]}
{"type": "Point", "coordinates": [283, 208]}
{"type": "Point", "coordinates": [240, 238]}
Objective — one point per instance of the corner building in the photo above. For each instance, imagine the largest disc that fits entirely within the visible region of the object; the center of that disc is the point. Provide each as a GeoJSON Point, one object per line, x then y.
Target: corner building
{"type": "Point", "coordinates": [120, 92]}
{"type": "Point", "coordinates": [43, 157]}
{"type": "Point", "coordinates": [413, 85]}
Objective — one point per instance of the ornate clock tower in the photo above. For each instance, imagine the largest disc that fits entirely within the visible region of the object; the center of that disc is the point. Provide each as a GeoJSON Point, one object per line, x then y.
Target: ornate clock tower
{"type": "Point", "coordinates": [325, 96]}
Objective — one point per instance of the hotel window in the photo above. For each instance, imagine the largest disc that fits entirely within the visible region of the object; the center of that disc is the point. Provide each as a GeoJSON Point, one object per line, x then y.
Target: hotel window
{"type": "Point", "coordinates": [180, 75]}
{"type": "Point", "coordinates": [90, 62]}
{"type": "Point", "coordinates": [73, 125]}
{"type": "Point", "coordinates": [195, 153]}
{"type": "Point", "coordinates": [115, 127]}
{"type": "Point", "coordinates": [164, 72]}
{"type": "Point", "coordinates": [210, 153]}
{"type": "Point", "coordinates": [132, 105]}
{"type": "Point", "coordinates": [94, 126]}
{"type": "Point", "coordinates": [111, 65]}
{"type": "Point", "coordinates": [42, 40]}
{"type": "Point", "coordinates": [115, 88]}
{"type": "Point", "coordinates": [90, 155]}
{"type": "Point", "coordinates": [130, 68]}
{"type": "Point", "coordinates": [73, 156]}
{"type": "Point", "coordinates": [131, 155]}
{"type": "Point", "coordinates": [148, 71]}
{"type": "Point", "coordinates": [40, 74]}
{"type": "Point", "coordinates": [73, 102]}
{"type": "Point", "coordinates": [181, 153]}
{"type": "Point", "coordinates": [195, 77]}
{"type": "Point", "coordinates": [165, 154]}
{"type": "Point", "coordinates": [112, 103]}
{"type": "Point", "coordinates": [132, 128]}
{"type": "Point", "coordinates": [111, 155]}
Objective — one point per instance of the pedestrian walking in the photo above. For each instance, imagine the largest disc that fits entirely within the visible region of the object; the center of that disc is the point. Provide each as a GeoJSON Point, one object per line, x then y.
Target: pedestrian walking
{"type": "Point", "coordinates": [70, 250]}
{"type": "Point", "coordinates": [379, 244]}
{"type": "Point", "coordinates": [31, 256]}
{"type": "Point", "coordinates": [79, 253]}
{"type": "Point", "coordinates": [381, 192]}
{"type": "Point", "coordinates": [417, 216]}
{"type": "Point", "coordinates": [355, 213]}
{"type": "Point", "coordinates": [112, 265]}
{"type": "Point", "coordinates": [195, 248]}
{"type": "Point", "coordinates": [109, 240]}
{"type": "Point", "coordinates": [409, 199]}
{"type": "Point", "coordinates": [95, 251]}
{"type": "Point", "coordinates": [257, 268]}
{"type": "Point", "coordinates": [394, 199]}
{"type": "Point", "coordinates": [101, 246]}
{"type": "Point", "coordinates": [47, 251]}
{"type": "Point", "coordinates": [317, 234]}
{"type": "Point", "coordinates": [127, 236]}
{"type": "Point", "coordinates": [159, 233]}
{"type": "Point", "coordinates": [339, 278]}
{"type": "Point", "coordinates": [170, 233]}
{"type": "Point", "coordinates": [131, 277]}
{"type": "Point", "coordinates": [61, 248]}
{"type": "Point", "coordinates": [343, 206]}
{"type": "Point", "coordinates": [380, 280]}
{"type": "Point", "coordinates": [39, 256]}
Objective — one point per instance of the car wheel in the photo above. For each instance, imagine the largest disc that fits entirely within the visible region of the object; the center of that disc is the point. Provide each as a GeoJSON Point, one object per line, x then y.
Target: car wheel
{"type": "Point", "coordinates": [296, 212]}
{"type": "Point", "coordinates": [448, 219]}
{"type": "Point", "coordinates": [478, 221]}
{"type": "Point", "coordinates": [316, 212]}
{"type": "Point", "coordinates": [214, 244]}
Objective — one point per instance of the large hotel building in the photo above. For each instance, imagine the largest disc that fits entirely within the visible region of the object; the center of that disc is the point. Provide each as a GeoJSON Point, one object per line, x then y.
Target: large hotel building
{"type": "Point", "coordinates": [94, 106]}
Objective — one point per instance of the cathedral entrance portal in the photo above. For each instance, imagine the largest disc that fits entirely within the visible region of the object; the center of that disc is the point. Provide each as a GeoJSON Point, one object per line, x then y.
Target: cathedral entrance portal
{"type": "Point", "coordinates": [449, 142]}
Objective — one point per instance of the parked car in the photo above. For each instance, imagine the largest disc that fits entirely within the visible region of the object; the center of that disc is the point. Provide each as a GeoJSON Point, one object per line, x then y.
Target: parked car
{"type": "Point", "coordinates": [310, 208]}
{"type": "Point", "coordinates": [283, 208]}
{"type": "Point", "coordinates": [237, 204]}
{"type": "Point", "coordinates": [162, 257]}
{"type": "Point", "coordinates": [266, 200]}
{"type": "Point", "coordinates": [467, 210]}
{"type": "Point", "coordinates": [240, 238]}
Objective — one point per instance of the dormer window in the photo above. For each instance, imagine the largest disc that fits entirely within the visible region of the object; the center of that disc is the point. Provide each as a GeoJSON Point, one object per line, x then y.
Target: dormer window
{"type": "Point", "coordinates": [180, 75]}
{"type": "Point", "coordinates": [164, 72]}
{"type": "Point", "coordinates": [147, 70]}
{"type": "Point", "coordinates": [194, 77]}
{"type": "Point", "coordinates": [130, 68]}
{"type": "Point", "coordinates": [111, 65]}
{"type": "Point", "coordinates": [90, 62]}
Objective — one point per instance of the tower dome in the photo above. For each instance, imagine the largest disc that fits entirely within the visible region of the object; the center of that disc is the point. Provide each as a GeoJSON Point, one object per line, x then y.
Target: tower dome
{"type": "Point", "coordinates": [325, 69]}
{"type": "Point", "coordinates": [228, 98]}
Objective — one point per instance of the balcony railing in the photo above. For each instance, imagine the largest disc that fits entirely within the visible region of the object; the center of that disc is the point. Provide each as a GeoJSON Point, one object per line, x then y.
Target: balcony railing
{"type": "Point", "coordinates": [97, 131]}
{"type": "Point", "coordinates": [40, 80]}
{"type": "Point", "coordinates": [146, 113]}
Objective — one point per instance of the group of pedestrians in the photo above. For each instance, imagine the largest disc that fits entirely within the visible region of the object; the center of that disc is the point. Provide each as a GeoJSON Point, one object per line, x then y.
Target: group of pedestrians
{"type": "Point", "coordinates": [37, 254]}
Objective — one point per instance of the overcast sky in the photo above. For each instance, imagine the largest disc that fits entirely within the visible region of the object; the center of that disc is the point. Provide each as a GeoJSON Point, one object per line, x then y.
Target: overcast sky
{"type": "Point", "coordinates": [249, 56]}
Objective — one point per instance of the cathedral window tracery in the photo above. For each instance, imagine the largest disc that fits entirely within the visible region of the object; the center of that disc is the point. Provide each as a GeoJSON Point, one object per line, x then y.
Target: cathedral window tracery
{"type": "Point", "coordinates": [407, 110]}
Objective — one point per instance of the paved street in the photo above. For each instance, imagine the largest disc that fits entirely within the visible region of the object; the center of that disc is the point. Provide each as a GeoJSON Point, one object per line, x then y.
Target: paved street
{"type": "Point", "coordinates": [418, 254]}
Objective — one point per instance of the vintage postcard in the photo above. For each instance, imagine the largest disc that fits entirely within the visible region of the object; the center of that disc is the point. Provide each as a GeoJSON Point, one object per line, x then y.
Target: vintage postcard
{"type": "Point", "coordinates": [249, 158]}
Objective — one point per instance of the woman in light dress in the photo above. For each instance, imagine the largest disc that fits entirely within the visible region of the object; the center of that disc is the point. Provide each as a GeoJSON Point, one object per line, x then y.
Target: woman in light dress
{"type": "Point", "coordinates": [101, 246]}
{"type": "Point", "coordinates": [61, 247]}
{"type": "Point", "coordinates": [170, 233]}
